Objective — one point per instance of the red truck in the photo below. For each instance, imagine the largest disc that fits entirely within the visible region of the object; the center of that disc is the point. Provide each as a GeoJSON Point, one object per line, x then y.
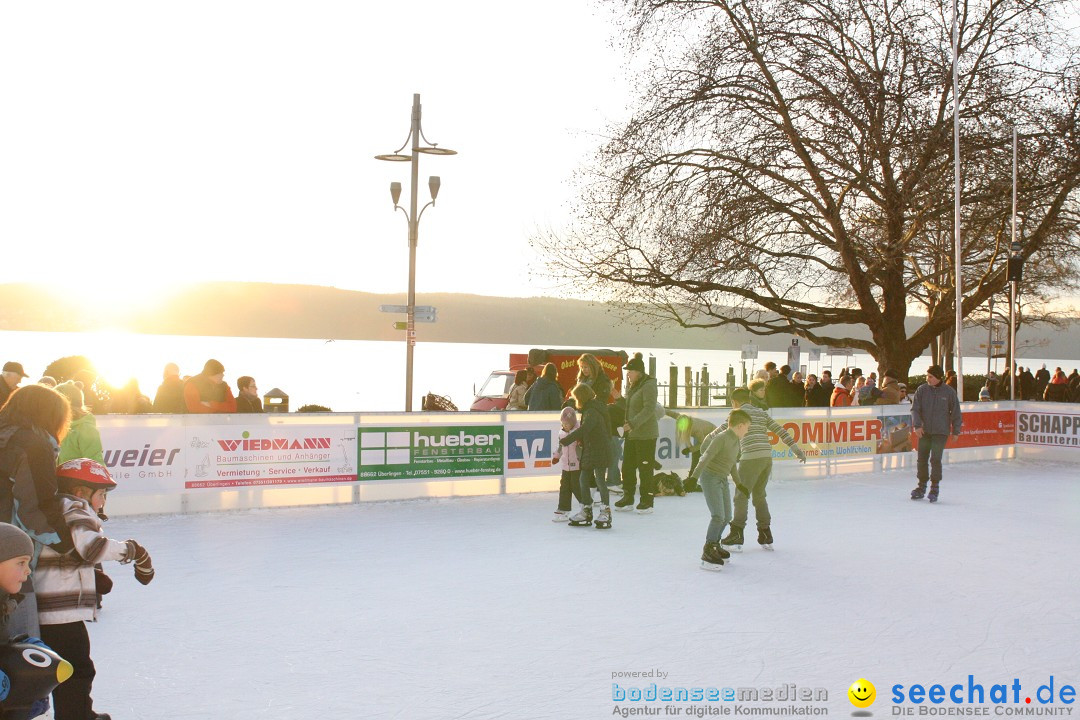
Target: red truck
{"type": "Point", "coordinates": [493, 393]}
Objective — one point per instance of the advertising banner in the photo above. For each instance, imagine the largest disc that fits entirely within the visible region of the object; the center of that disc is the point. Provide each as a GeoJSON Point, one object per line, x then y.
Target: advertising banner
{"type": "Point", "coordinates": [145, 459]}
{"type": "Point", "coordinates": [530, 447]}
{"type": "Point", "coordinates": [428, 452]}
{"type": "Point", "coordinates": [986, 429]}
{"type": "Point", "coordinates": [1051, 429]}
{"type": "Point", "coordinates": [228, 456]}
{"type": "Point", "coordinates": [829, 438]}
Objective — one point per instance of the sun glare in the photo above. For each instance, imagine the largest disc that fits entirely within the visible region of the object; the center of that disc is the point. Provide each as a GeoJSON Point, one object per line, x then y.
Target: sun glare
{"type": "Point", "coordinates": [112, 307]}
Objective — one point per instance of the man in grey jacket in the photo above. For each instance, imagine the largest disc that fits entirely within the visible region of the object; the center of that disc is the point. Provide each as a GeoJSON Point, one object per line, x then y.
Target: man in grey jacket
{"type": "Point", "coordinates": [935, 414]}
{"type": "Point", "coordinates": [640, 432]}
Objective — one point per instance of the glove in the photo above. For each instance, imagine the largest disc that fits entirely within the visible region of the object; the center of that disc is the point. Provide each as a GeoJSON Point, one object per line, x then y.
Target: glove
{"type": "Point", "coordinates": [144, 570]}
{"type": "Point", "coordinates": [102, 582]}
{"type": "Point", "coordinates": [799, 454]}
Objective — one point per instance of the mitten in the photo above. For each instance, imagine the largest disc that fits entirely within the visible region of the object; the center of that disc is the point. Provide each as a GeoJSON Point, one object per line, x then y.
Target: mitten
{"type": "Point", "coordinates": [144, 570]}
{"type": "Point", "coordinates": [102, 582]}
{"type": "Point", "coordinates": [799, 454]}
{"type": "Point", "coordinates": [39, 708]}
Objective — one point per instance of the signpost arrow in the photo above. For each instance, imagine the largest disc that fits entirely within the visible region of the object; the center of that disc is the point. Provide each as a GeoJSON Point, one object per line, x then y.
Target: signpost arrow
{"type": "Point", "coordinates": [394, 308]}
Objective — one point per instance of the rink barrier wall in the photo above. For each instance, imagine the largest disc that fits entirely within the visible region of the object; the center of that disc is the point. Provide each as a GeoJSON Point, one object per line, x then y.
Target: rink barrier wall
{"type": "Point", "coordinates": [202, 463]}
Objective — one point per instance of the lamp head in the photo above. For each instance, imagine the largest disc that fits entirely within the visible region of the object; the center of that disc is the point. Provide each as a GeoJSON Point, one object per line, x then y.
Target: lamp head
{"type": "Point", "coordinates": [395, 192]}
{"type": "Point", "coordinates": [433, 184]}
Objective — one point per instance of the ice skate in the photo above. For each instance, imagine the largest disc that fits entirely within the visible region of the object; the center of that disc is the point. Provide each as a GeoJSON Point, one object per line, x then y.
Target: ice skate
{"type": "Point", "coordinates": [626, 504]}
{"type": "Point", "coordinates": [603, 519]}
{"type": "Point", "coordinates": [561, 516]}
{"type": "Point", "coordinates": [764, 538]}
{"type": "Point", "coordinates": [734, 540]}
{"type": "Point", "coordinates": [582, 518]}
{"type": "Point", "coordinates": [919, 493]}
{"type": "Point", "coordinates": [932, 497]}
{"type": "Point", "coordinates": [711, 557]}
{"type": "Point", "coordinates": [643, 509]}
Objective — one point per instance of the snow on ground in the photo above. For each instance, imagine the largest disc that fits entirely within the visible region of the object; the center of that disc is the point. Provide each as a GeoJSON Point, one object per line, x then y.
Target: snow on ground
{"type": "Point", "coordinates": [483, 608]}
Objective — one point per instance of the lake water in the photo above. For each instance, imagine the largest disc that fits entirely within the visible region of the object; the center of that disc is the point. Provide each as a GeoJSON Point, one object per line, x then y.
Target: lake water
{"type": "Point", "coordinates": [353, 375]}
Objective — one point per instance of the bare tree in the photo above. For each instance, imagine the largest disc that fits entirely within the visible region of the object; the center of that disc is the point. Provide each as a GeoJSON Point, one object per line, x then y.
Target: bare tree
{"type": "Point", "coordinates": [789, 167]}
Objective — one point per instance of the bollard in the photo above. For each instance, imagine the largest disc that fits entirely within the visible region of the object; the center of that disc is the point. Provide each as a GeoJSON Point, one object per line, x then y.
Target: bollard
{"type": "Point", "coordinates": [688, 374]}
{"type": "Point", "coordinates": [673, 387]}
{"type": "Point", "coordinates": [704, 401]}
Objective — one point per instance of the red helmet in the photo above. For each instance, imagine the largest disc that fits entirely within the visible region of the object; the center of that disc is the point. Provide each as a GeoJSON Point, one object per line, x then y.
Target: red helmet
{"type": "Point", "coordinates": [84, 471]}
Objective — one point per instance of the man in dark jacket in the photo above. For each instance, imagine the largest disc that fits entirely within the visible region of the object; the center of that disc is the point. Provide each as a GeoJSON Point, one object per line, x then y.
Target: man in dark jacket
{"type": "Point", "coordinates": [640, 432]}
{"type": "Point", "coordinates": [13, 375]}
{"type": "Point", "coordinates": [170, 394]}
{"type": "Point", "coordinates": [247, 397]}
{"type": "Point", "coordinates": [779, 392]}
{"type": "Point", "coordinates": [545, 393]}
{"type": "Point", "coordinates": [935, 414]}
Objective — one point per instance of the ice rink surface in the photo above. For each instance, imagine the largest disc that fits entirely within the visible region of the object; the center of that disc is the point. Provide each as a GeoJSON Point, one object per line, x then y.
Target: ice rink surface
{"type": "Point", "coordinates": [483, 608]}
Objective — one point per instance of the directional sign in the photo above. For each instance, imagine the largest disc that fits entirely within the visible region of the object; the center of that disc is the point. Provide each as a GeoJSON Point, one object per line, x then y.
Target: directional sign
{"type": "Point", "coordinates": [394, 308]}
{"type": "Point", "coordinates": [402, 325]}
{"type": "Point", "coordinates": [424, 310]}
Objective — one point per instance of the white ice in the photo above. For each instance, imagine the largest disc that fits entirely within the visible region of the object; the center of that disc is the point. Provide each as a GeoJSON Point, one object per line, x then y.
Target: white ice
{"type": "Point", "coordinates": [483, 608]}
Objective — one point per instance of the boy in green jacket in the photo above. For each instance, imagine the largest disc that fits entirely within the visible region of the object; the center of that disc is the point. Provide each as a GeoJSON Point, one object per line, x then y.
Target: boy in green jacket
{"type": "Point", "coordinates": [719, 456]}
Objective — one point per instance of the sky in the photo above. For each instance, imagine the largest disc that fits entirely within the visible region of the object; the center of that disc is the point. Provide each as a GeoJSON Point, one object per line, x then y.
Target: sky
{"type": "Point", "coordinates": [154, 143]}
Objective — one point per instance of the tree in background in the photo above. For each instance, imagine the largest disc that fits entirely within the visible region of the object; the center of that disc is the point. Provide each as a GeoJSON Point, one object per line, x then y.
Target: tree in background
{"type": "Point", "coordinates": [65, 368]}
{"type": "Point", "coordinates": [788, 169]}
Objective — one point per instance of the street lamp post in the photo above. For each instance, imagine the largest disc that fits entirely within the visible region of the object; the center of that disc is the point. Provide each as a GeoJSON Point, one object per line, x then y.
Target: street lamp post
{"type": "Point", "coordinates": [416, 134]}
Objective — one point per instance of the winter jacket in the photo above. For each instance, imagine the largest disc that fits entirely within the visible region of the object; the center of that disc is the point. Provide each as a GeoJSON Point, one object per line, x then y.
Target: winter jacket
{"type": "Point", "coordinates": [1057, 390]}
{"type": "Point", "coordinates": [82, 441]}
{"type": "Point", "coordinates": [516, 399]}
{"type": "Point", "coordinates": [200, 389]}
{"type": "Point", "coordinates": [720, 453]}
{"type": "Point", "coordinates": [780, 392]}
{"type": "Point", "coordinates": [617, 415]}
{"type": "Point", "coordinates": [755, 444]}
{"type": "Point", "coordinates": [567, 456]}
{"type": "Point", "coordinates": [593, 436]}
{"type": "Point", "coordinates": [248, 404]}
{"type": "Point", "coordinates": [690, 432]}
{"type": "Point", "coordinates": [840, 397]}
{"type": "Point", "coordinates": [816, 396]}
{"type": "Point", "coordinates": [170, 397]}
{"type": "Point", "coordinates": [890, 393]}
{"type": "Point", "coordinates": [64, 584]}
{"type": "Point", "coordinates": [936, 410]}
{"type": "Point", "coordinates": [544, 395]}
{"type": "Point", "coordinates": [28, 461]}
{"type": "Point", "coordinates": [641, 409]}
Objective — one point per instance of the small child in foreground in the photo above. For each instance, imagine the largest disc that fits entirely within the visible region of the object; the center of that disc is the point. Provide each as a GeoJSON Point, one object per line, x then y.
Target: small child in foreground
{"type": "Point", "coordinates": [567, 457]}
{"type": "Point", "coordinates": [28, 669]}
{"type": "Point", "coordinates": [66, 590]}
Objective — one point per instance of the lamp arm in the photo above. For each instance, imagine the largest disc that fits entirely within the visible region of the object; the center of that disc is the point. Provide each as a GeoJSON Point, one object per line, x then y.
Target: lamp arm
{"type": "Point", "coordinates": [423, 209]}
{"type": "Point", "coordinates": [398, 207]}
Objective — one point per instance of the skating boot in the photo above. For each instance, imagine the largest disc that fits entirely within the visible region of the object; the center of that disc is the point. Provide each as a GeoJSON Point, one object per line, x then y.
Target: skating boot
{"type": "Point", "coordinates": [626, 504]}
{"type": "Point", "coordinates": [711, 558]}
{"type": "Point", "coordinates": [764, 538]}
{"type": "Point", "coordinates": [603, 519]}
{"type": "Point", "coordinates": [101, 716]}
{"type": "Point", "coordinates": [643, 509]}
{"type": "Point", "coordinates": [561, 516]}
{"type": "Point", "coordinates": [734, 540]}
{"type": "Point", "coordinates": [583, 517]}
{"type": "Point", "coordinates": [919, 492]}
{"type": "Point", "coordinates": [932, 497]}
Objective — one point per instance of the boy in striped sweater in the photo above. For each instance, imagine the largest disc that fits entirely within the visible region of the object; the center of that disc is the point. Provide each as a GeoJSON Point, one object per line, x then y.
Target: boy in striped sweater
{"type": "Point", "coordinates": [66, 591]}
{"type": "Point", "coordinates": [755, 467]}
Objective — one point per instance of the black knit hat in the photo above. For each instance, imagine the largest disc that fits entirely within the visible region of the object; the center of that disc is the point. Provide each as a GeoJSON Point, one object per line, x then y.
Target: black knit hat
{"type": "Point", "coordinates": [891, 374]}
{"type": "Point", "coordinates": [936, 371]}
{"type": "Point", "coordinates": [636, 363]}
{"type": "Point", "coordinates": [212, 367]}
{"type": "Point", "coordinates": [14, 542]}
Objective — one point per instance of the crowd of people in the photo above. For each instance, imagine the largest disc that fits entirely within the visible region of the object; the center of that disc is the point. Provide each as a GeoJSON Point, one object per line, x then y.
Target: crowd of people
{"type": "Point", "coordinates": [206, 392]}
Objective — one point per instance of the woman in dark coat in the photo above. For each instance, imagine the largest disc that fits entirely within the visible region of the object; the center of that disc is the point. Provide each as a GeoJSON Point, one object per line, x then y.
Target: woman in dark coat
{"type": "Point", "coordinates": [595, 455]}
{"type": "Point", "coordinates": [32, 423]}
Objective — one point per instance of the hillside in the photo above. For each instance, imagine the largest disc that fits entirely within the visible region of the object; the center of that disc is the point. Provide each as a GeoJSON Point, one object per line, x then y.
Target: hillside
{"type": "Point", "coordinates": [308, 311]}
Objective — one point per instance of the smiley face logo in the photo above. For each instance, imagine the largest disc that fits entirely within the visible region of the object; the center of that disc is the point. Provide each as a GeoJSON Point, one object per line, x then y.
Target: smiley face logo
{"type": "Point", "coordinates": [862, 693]}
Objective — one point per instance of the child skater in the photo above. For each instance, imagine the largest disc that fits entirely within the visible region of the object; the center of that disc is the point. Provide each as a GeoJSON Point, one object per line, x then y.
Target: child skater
{"type": "Point", "coordinates": [66, 592]}
{"type": "Point", "coordinates": [595, 438]}
{"type": "Point", "coordinates": [28, 669]}
{"type": "Point", "coordinates": [719, 455]}
{"type": "Point", "coordinates": [567, 457]}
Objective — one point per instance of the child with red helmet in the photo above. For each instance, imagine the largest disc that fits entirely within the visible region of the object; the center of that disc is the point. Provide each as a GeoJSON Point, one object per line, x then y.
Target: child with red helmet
{"type": "Point", "coordinates": [66, 592]}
